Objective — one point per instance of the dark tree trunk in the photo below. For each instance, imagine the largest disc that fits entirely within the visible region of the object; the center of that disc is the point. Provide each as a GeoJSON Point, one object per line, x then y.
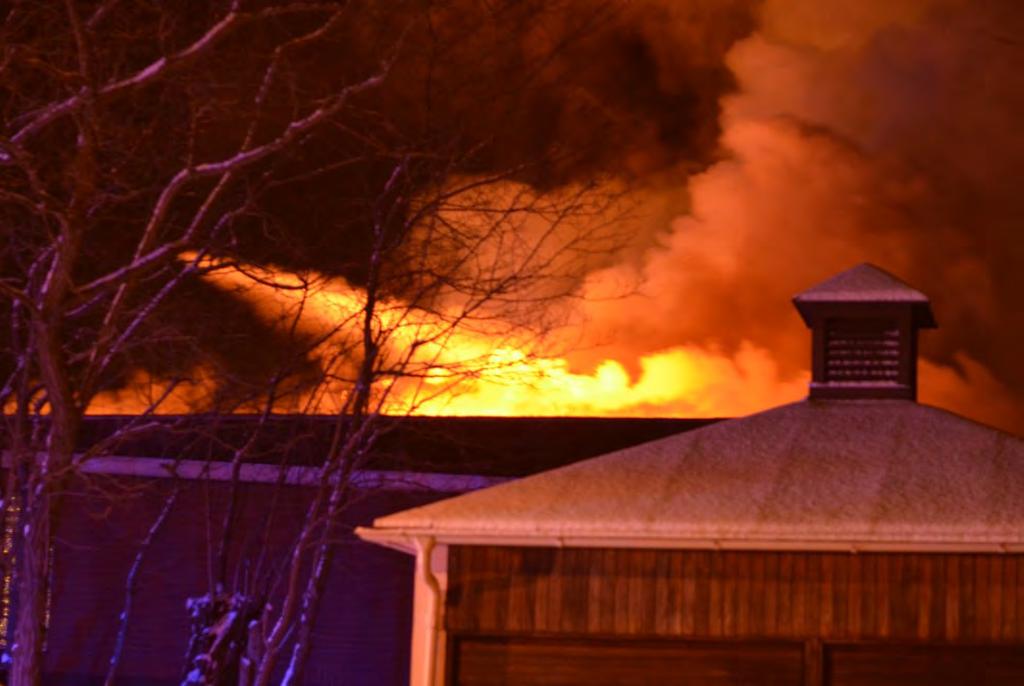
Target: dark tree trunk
{"type": "Point", "coordinates": [30, 586]}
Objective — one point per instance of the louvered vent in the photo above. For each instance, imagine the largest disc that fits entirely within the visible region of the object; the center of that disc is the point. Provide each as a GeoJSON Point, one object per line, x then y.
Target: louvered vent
{"type": "Point", "coordinates": [862, 351]}
{"type": "Point", "coordinates": [864, 323]}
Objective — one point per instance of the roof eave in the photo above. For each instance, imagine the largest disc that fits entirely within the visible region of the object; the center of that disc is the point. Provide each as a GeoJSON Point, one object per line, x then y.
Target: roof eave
{"type": "Point", "coordinates": [403, 539]}
{"type": "Point", "coordinates": [810, 309]}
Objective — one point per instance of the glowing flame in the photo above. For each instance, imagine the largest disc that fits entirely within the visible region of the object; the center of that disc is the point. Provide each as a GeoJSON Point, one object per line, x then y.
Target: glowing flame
{"type": "Point", "coordinates": [459, 372]}
{"type": "Point", "coordinates": [470, 373]}
{"type": "Point", "coordinates": [684, 381]}
{"type": "Point", "coordinates": [831, 156]}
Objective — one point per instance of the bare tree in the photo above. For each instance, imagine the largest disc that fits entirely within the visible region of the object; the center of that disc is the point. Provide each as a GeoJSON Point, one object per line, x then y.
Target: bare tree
{"type": "Point", "coordinates": [149, 155]}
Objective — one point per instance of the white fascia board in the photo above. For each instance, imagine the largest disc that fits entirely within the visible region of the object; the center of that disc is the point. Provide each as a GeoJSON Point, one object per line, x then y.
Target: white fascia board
{"type": "Point", "coordinates": [368, 479]}
{"type": "Point", "coordinates": [404, 540]}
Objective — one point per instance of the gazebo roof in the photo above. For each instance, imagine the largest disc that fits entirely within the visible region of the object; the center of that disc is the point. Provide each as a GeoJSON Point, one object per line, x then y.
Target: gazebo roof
{"type": "Point", "coordinates": [817, 474]}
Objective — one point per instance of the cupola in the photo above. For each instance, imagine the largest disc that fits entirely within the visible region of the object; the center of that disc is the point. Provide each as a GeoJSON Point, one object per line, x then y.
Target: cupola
{"type": "Point", "coordinates": [864, 325]}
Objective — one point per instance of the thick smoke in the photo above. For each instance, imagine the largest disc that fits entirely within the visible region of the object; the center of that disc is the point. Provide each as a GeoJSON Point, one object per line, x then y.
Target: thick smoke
{"type": "Point", "coordinates": [766, 145]}
{"type": "Point", "coordinates": [865, 130]}
{"type": "Point", "coordinates": [543, 92]}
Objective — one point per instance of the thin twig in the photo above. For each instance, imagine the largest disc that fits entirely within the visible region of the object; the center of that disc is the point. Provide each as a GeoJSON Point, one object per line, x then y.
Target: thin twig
{"type": "Point", "coordinates": [129, 587]}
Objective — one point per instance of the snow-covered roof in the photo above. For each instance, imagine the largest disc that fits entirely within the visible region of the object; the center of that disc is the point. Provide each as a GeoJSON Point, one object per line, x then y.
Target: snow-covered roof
{"type": "Point", "coordinates": [863, 283]}
{"type": "Point", "coordinates": [863, 286]}
{"type": "Point", "coordinates": [817, 474]}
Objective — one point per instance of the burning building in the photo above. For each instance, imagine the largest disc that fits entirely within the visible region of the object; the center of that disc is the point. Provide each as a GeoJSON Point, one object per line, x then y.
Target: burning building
{"type": "Point", "coordinates": [855, 537]}
{"type": "Point", "coordinates": [346, 154]}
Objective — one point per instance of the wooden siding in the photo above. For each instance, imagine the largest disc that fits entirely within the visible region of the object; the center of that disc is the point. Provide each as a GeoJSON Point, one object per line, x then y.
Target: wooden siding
{"type": "Point", "coordinates": [973, 598]}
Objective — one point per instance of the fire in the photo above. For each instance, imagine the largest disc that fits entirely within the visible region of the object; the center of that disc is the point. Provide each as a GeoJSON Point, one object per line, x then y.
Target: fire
{"type": "Point", "coordinates": [475, 373]}
{"type": "Point", "coordinates": [163, 396]}
{"type": "Point", "coordinates": [684, 381]}
{"type": "Point", "coordinates": [471, 373]}
{"type": "Point", "coordinates": [833, 150]}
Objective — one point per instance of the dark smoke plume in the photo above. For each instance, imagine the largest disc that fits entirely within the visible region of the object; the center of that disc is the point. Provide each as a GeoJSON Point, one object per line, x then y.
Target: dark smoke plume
{"type": "Point", "coordinates": [861, 131]}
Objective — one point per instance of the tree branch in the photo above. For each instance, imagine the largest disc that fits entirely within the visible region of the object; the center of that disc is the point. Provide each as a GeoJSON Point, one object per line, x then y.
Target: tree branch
{"type": "Point", "coordinates": [41, 118]}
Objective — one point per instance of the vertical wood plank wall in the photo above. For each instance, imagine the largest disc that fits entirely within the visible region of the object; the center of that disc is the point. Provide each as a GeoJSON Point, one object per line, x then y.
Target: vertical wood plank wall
{"type": "Point", "coordinates": [965, 598]}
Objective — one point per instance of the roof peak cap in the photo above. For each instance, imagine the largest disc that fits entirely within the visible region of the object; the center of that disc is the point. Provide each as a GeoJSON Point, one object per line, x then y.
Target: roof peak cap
{"type": "Point", "coordinates": [863, 283]}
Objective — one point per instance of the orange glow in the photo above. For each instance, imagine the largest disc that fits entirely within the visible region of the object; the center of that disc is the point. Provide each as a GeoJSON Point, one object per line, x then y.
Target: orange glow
{"type": "Point", "coordinates": [143, 392]}
{"type": "Point", "coordinates": [467, 373]}
{"type": "Point", "coordinates": [822, 166]}
{"type": "Point", "coordinates": [475, 374]}
{"type": "Point", "coordinates": [684, 381]}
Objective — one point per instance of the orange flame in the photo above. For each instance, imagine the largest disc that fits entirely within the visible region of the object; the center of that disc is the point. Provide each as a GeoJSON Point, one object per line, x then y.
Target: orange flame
{"type": "Point", "coordinates": [470, 373]}
{"type": "Point", "coordinates": [812, 180]}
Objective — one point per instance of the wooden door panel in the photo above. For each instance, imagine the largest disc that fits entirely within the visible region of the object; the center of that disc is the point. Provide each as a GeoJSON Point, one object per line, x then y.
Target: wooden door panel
{"type": "Point", "coordinates": [564, 662]}
{"type": "Point", "coordinates": [932, 665]}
